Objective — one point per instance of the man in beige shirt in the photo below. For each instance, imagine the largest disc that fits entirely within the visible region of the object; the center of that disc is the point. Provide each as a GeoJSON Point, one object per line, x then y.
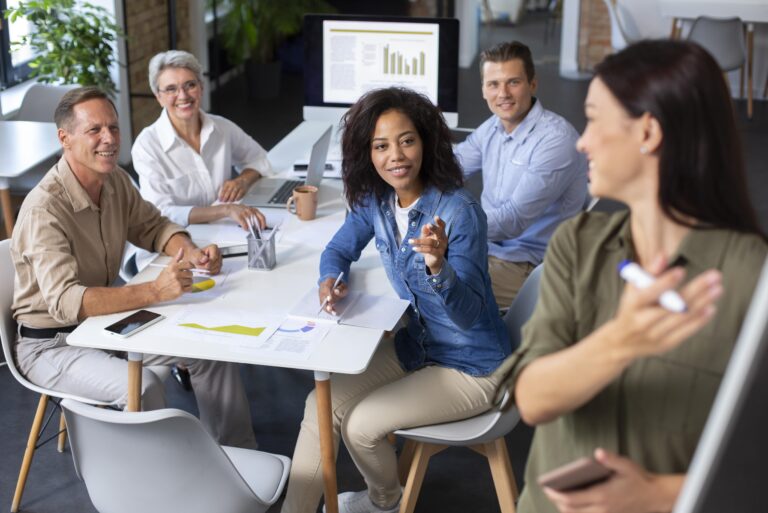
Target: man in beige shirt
{"type": "Point", "coordinates": [67, 248]}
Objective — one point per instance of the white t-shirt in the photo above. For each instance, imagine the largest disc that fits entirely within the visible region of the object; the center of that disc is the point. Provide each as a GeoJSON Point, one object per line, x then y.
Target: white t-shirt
{"type": "Point", "coordinates": [175, 178]}
{"type": "Point", "coordinates": [402, 219]}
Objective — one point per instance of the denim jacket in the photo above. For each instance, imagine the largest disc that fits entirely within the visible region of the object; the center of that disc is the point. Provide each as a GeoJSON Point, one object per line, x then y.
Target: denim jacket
{"type": "Point", "coordinates": [453, 319]}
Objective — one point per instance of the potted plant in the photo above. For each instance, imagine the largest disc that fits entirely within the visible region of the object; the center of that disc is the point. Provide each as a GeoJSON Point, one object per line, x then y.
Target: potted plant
{"type": "Point", "coordinates": [253, 29]}
{"type": "Point", "coordinates": [72, 42]}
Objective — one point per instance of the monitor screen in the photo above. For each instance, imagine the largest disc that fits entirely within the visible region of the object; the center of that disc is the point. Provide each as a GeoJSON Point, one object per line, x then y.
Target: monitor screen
{"type": "Point", "coordinates": [345, 56]}
{"type": "Point", "coordinates": [728, 469]}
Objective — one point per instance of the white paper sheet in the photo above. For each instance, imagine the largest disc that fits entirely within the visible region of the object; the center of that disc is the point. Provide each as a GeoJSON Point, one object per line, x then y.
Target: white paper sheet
{"type": "Point", "coordinates": [296, 338]}
{"type": "Point", "coordinates": [239, 328]}
{"type": "Point", "coordinates": [356, 309]}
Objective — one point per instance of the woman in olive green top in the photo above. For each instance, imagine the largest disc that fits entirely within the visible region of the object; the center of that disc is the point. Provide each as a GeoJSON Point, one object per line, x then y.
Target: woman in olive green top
{"type": "Point", "coordinates": [604, 370]}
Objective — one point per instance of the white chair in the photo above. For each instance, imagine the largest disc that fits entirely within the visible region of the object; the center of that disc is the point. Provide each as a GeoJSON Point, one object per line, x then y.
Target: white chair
{"type": "Point", "coordinates": [8, 337]}
{"type": "Point", "coordinates": [723, 38]}
{"type": "Point", "coordinates": [483, 433]}
{"type": "Point", "coordinates": [163, 460]}
{"type": "Point", "coordinates": [39, 104]}
{"type": "Point", "coordinates": [623, 30]}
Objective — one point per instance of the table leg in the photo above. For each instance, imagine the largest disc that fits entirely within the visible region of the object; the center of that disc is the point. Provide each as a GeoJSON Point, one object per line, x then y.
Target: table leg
{"type": "Point", "coordinates": [134, 382]}
{"type": "Point", "coordinates": [673, 32]}
{"type": "Point", "coordinates": [750, 51]}
{"type": "Point", "coordinates": [325, 424]}
{"type": "Point", "coordinates": [5, 202]}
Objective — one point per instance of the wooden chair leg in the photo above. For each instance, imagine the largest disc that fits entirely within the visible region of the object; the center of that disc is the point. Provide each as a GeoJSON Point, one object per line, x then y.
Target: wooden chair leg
{"type": "Point", "coordinates": [62, 432]}
{"type": "Point", "coordinates": [503, 476]}
{"type": "Point", "coordinates": [421, 455]}
{"type": "Point", "coordinates": [405, 461]}
{"type": "Point", "coordinates": [34, 433]}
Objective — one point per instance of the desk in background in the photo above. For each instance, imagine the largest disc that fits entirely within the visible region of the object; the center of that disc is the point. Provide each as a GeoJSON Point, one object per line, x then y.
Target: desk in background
{"type": "Point", "coordinates": [23, 145]}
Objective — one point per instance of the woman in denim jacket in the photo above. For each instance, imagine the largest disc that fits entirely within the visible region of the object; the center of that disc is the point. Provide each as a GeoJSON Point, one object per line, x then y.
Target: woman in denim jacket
{"type": "Point", "coordinates": [404, 188]}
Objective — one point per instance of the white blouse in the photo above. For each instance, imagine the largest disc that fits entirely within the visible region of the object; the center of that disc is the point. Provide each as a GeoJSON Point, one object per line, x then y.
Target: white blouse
{"type": "Point", "coordinates": [175, 178]}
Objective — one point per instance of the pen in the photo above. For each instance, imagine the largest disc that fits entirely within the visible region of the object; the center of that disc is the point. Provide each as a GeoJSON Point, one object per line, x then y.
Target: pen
{"type": "Point", "coordinates": [194, 270]}
{"type": "Point", "coordinates": [634, 274]}
{"type": "Point", "coordinates": [335, 284]}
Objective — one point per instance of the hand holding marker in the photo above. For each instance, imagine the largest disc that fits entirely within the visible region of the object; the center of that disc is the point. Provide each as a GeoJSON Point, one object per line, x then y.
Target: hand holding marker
{"type": "Point", "coordinates": [634, 274]}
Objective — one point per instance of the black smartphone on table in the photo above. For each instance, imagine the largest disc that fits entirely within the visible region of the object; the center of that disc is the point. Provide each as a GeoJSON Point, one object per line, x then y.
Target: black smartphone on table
{"type": "Point", "coordinates": [134, 323]}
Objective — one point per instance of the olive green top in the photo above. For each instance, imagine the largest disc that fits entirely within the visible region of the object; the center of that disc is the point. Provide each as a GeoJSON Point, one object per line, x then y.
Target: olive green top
{"type": "Point", "coordinates": [654, 411]}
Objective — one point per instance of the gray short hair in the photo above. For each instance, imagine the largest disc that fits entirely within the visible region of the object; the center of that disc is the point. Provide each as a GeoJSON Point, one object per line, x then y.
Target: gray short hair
{"type": "Point", "coordinates": [173, 59]}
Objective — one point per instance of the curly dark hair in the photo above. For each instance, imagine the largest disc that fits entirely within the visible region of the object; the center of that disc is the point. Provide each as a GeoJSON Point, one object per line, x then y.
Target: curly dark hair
{"type": "Point", "coordinates": [439, 167]}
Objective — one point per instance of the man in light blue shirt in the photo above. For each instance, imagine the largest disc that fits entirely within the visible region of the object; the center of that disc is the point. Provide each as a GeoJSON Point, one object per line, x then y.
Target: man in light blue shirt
{"type": "Point", "coordinates": [533, 177]}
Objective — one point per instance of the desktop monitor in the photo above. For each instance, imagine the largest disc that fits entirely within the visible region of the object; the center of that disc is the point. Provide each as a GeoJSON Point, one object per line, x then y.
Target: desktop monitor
{"type": "Point", "coordinates": [728, 470]}
{"type": "Point", "coordinates": [346, 56]}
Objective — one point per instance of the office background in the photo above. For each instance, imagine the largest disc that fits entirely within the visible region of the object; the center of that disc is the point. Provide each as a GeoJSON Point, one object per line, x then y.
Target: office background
{"type": "Point", "coordinates": [458, 480]}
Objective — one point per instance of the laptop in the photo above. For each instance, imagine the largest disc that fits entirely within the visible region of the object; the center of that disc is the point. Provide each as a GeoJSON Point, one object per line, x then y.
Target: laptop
{"type": "Point", "coordinates": [275, 192]}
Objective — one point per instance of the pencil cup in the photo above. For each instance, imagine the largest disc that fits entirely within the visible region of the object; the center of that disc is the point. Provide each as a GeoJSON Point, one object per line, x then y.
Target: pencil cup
{"type": "Point", "coordinates": [304, 202]}
{"type": "Point", "coordinates": [261, 253]}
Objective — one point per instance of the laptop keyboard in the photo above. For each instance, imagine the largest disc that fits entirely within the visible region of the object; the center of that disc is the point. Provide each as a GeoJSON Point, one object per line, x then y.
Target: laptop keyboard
{"type": "Point", "coordinates": [282, 194]}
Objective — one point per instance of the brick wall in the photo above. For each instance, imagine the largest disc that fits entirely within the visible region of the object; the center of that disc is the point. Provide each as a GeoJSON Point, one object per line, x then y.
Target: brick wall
{"type": "Point", "coordinates": [594, 34]}
{"type": "Point", "coordinates": [147, 30]}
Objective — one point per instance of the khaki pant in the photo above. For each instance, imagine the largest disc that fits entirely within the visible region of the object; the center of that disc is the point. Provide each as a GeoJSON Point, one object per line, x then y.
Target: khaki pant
{"type": "Point", "coordinates": [367, 407]}
{"type": "Point", "coordinates": [103, 376]}
{"type": "Point", "coordinates": [507, 278]}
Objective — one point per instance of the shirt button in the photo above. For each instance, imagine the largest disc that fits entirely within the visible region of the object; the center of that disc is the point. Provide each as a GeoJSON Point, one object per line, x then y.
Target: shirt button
{"type": "Point", "coordinates": [402, 249]}
{"type": "Point", "coordinates": [413, 223]}
{"type": "Point", "coordinates": [434, 280]}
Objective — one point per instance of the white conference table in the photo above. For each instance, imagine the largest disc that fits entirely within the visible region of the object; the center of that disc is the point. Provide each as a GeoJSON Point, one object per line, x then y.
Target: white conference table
{"type": "Point", "coordinates": [346, 349]}
{"type": "Point", "coordinates": [750, 12]}
{"type": "Point", "coordinates": [23, 145]}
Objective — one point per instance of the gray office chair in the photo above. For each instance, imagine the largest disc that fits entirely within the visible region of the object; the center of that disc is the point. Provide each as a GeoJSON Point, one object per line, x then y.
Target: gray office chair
{"type": "Point", "coordinates": [8, 337]}
{"type": "Point", "coordinates": [483, 433]}
{"type": "Point", "coordinates": [163, 460]}
{"type": "Point", "coordinates": [623, 29]}
{"type": "Point", "coordinates": [724, 39]}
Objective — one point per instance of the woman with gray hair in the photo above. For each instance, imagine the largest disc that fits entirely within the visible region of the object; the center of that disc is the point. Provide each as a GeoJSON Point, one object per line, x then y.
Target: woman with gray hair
{"type": "Point", "coordinates": [184, 159]}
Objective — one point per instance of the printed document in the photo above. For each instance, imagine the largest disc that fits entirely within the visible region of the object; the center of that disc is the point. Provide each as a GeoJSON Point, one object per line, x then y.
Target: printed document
{"type": "Point", "coordinates": [356, 309]}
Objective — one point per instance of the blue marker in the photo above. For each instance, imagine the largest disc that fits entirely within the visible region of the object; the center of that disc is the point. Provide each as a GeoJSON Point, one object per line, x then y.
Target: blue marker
{"type": "Point", "coordinates": [634, 274]}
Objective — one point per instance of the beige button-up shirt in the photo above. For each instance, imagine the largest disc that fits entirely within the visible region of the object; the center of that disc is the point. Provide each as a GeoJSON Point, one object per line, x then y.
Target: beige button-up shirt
{"type": "Point", "coordinates": [63, 243]}
{"type": "Point", "coordinates": [653, 412]}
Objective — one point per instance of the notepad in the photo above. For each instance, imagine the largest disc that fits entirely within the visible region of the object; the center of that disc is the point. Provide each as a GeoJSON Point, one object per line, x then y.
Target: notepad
{"type": "Point", "coordinates": [356, 309]}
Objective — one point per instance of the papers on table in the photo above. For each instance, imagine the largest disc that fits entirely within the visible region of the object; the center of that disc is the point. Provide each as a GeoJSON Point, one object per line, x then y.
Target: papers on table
{"type": "Point", "coordinates": [246, 331]}
{"type": "Point", "coordinates": [226, 232]}
{"type": "Point", "coordinates": [205, 288]}
{"type": "Point", "coordinates": [356, 309]}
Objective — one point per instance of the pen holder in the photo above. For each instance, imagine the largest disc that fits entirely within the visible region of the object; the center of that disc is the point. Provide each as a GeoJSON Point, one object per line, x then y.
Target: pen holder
{"type": "Point", "coordinates": [261, 253]}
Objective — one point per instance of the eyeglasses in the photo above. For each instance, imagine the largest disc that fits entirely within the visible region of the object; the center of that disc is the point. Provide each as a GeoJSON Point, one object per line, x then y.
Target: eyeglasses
{"type": "Point", "coordinates": [188, 86]}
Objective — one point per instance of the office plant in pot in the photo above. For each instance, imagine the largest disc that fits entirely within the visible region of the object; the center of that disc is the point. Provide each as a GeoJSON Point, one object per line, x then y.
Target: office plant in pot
{"type": "Point", "coordinates": [72, 42]}
{"type": "Point", "coordinates": [252, 30]}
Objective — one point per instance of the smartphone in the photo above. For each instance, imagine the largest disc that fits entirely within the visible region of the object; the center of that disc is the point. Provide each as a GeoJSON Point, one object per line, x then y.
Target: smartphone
{"type": "Point", "coordinates": [134, 323]}
{"type": "Point", "coordinates": [577, 474]}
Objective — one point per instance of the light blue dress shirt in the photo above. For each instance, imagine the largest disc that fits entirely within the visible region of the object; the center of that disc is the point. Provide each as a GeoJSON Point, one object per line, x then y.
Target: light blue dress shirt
{"type": "Point", "coordinates": [533, 179]}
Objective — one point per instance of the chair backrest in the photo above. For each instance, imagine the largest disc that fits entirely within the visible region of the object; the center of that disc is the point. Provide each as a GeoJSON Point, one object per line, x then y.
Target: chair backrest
{"type": "Point", "coordinates": [522, 307]}
{"type": "Point", "coordinates": [721, 37]}
{"type": "Point", "coordinates": [8, 325]}
{"type": "Point", "coordinates": [40, 102]}
{"type": "Point", "coordinates": [161, 460]}
{"type": "Point", "coordinates": [621, 33]}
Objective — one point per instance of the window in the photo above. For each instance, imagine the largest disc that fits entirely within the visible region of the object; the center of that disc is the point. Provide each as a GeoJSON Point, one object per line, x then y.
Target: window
{"type": "Point", "coordinates": [14, 65]}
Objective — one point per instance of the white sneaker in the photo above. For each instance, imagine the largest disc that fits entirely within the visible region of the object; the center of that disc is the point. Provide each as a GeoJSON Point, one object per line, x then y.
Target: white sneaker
{"type": "Point", "coordinates": [359, 502]}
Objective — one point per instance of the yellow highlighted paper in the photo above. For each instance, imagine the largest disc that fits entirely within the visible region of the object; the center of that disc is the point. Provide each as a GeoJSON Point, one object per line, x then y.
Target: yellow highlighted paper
{"type": "Point", "coordinates": [235, 329]}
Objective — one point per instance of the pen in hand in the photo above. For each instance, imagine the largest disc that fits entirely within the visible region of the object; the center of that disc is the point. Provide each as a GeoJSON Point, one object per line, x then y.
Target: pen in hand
{"type": "Point", "coordinates": [335, 284]}
{"type": "Point", "coordinates": [637, 276]}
